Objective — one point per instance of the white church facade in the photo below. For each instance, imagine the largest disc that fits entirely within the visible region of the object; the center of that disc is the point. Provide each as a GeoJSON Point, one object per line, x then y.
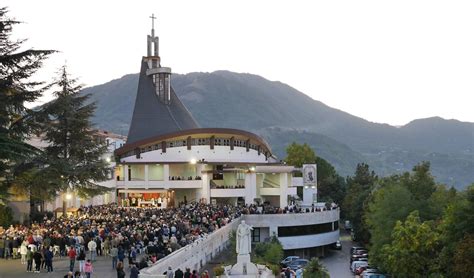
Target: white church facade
{"type": "Point", "coordinates": [169, 160]}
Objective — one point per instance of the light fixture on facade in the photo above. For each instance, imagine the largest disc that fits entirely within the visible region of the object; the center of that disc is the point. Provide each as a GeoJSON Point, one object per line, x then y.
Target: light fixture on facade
{"type": "Point", "coordinates": [108, 159]}
{"type": "Point", "coordinates": [252, 169]}
{"type": "Point", "coordinates": [306, 187]}
{"type": "Point", "coordinates": [193, 161]}
{"type": "Point", "coordinates": [313, 187]}
{"type": "Point", "coordinates": [68, 196]}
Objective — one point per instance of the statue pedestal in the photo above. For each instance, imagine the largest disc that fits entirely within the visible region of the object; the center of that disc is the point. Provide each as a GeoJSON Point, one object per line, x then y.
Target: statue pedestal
{"type": "Point", "coordinates": [244, 267]}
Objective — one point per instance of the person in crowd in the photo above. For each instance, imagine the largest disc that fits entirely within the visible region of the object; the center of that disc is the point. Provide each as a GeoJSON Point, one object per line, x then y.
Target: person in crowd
{"type": "Point", "coordinates": [120, 272]}
{"type": "Point", "coordinates": [43, 260]}
{"type": "Point", "coordinates": [23, 251]}
{"type": "Point", "coordinates": [72, 257]}
{"type": "Point", "coordinates": [169, 272]}
{"type": "Point", "coordinates": [48, 258]}
{"type": "Point", "coordinates": [187, 273]}
{"type": "Point", "coordinates": [92, 245]}
{"type": "Point", "coordinates": [178, 273]}
{"type": "Point", "coordinates": [69, 275]}
{"type": "Point", "coordinates": [99, 248]}
{"type": "Point", "coordinates": [37, 258]}
{"type": "Point", "coordinates": [81, 258]}
{"type": "Point", "coordinates": [205, 274]}
{"type": "Point", "coordinates": [29, 260]}
{"type": "Point", "coordinates": [114, 255]}
{"type": "Point", "coordinates": [132, 256]}
{"type": "Point", "coordinates": [2, 246]}
{"type": "Point", "coordinates": [134, 271]}
{"type": "Point", "coordinates": [299, 272]}
{"type": "Point", "coordinates": [88, 268]}
{"type": "Point", "coordinates": [78, 274]}
{"type": "Point", "coordinates": [121, 254]}
{"type": "Point", "coordinates": [8, 245]}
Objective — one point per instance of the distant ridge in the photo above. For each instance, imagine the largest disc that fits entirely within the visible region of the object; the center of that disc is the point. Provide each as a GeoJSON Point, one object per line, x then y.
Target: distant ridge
{"type": "Point", "coordinates": [282, 114]}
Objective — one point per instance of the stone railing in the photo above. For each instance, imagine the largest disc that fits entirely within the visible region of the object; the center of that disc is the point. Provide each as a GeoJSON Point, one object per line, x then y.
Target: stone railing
{"type": "Point", "coordinates": [195, 255]}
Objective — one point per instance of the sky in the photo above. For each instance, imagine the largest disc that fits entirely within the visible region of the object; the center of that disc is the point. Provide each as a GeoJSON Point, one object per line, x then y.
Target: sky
{"type": "Point", "coordinates": [385, 61]}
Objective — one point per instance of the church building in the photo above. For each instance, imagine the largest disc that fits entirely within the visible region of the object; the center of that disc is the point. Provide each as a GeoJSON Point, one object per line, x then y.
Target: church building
{"type": "Point", "coordinates": [169, 160]}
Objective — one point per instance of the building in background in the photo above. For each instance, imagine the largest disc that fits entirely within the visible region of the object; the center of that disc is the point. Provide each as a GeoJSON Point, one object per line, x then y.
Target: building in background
{"type": "Point", "coordinates": [22, 206]}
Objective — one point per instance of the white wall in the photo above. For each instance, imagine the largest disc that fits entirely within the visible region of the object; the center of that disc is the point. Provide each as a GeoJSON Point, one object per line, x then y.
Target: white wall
{"type": "Point", "coordinates": [194, 255]}
{"type": "Point", "coordinates": [182, 154]}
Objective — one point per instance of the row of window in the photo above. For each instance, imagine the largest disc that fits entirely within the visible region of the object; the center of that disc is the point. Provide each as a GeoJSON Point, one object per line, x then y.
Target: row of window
{"type": "Point", "coordinates": [308, 229]}
{"type": "Point", "coordinates": [194, 142]}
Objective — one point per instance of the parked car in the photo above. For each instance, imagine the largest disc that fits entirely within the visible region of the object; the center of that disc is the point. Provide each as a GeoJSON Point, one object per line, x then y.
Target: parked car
{"type": "Point", "coordinates": [373, 275]}
{"type": "Point", "coordinates": [295, 264]}
{"type": "Point", "coordinates": [288, 260]}
{"type": "Point", "coordinates": [358, 260]}
{"type": "Point", "coordinates": [337, 245]}
{"type": "Point", "coordinates": [355, 257]}
{"type": "Point", "coordinates": [360, 252]}
{"type": "Point", "coordinates": [366, 269]}
{"type": "Point", "coordinates": [357, 264]}
{"type": "Point", "coordinates": [354, 248]}
{"type": "Point", "coordinates": [347, 225]}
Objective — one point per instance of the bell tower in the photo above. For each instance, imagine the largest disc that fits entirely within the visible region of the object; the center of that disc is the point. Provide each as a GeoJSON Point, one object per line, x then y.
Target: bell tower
{"type": "Point", "coordinates": [161, 75]}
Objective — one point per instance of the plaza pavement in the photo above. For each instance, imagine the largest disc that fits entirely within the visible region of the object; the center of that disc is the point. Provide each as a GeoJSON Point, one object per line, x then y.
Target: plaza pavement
{"type": "Point", "coordinates": [102, 268]}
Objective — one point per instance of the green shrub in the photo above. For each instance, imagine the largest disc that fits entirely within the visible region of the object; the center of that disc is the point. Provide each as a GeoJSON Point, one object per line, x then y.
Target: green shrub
{"type": "Point", "coordinates": [218, 270]}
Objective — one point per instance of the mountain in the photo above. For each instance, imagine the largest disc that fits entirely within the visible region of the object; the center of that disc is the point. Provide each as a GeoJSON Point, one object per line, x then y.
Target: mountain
{"type": "Point", "coordinates": [281, 114]}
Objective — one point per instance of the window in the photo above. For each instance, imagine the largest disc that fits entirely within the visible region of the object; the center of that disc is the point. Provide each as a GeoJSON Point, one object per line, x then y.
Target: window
{"type": "Point", "coordinates": [305, 230]}
{"type": "Point", "coordinates": [256, 235]}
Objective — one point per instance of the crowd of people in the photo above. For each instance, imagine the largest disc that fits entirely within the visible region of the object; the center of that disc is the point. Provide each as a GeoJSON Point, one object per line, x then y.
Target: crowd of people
{"type": "Point", "coordinates": [120, 233]}
{"type": "Point", "coordinates": [109, 230]}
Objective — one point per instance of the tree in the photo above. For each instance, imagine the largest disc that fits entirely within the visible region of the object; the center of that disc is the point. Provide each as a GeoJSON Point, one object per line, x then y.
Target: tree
{"type": "Point", "coordinates": [6, 216]}
{"type": "Point", "coordinates": [331, 186]}
{"type": "Point", "coordinates": [422, 184]}
{"type": "Point", "coordinates": [359, 188]}
{"type": "Point", "coordinates": [390, 203]}
{"type": "Point", "coordinates": [297, 154]}
{"type": "Point", "coordinates": [456, 227]}
{"type": "Point", "coordinates": [315, 269]}
{"type": "Point", "coordinates": [73, 158]}
{"type": "Point", "coordinates": [464, 257]}
{"type": "Point", "coordinates": [268, 252]}
{"type": "Point", "coordinates": [16, 90]}
{"type": "Point", "coordinates": [414, 244]}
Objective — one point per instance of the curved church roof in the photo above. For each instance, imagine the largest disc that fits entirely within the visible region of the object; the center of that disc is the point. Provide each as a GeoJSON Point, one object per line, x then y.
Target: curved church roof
{"type": "Point", "coordinates": [153, 117]}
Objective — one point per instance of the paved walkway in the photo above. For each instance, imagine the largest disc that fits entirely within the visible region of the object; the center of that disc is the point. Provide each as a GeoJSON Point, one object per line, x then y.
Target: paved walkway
{"type": "Point", "coordinates": [337, 261]}
{"type": "Point", "coordinates": [102, 268]}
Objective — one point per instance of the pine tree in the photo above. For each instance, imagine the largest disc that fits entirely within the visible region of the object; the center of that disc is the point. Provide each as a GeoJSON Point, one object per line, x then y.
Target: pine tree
{"type": "Point", "coordinates": [74, 157]}
{"type": "Point", "coordinates": [17, 66]}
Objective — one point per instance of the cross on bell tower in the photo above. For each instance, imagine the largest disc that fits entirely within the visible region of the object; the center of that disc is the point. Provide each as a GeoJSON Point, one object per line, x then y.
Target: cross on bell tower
{"type": "Point", "coordinates": [161, 75]}
{"type": "Point", "coordinates": [152, 40]}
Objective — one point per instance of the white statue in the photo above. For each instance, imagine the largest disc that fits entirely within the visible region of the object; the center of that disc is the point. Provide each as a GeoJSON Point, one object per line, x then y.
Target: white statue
{"type": "Point", "coordinates": [243, 243]}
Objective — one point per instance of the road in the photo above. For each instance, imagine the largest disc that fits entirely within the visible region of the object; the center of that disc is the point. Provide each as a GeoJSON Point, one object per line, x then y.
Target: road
{"type": "Point", "coordinates": [337, 261]}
